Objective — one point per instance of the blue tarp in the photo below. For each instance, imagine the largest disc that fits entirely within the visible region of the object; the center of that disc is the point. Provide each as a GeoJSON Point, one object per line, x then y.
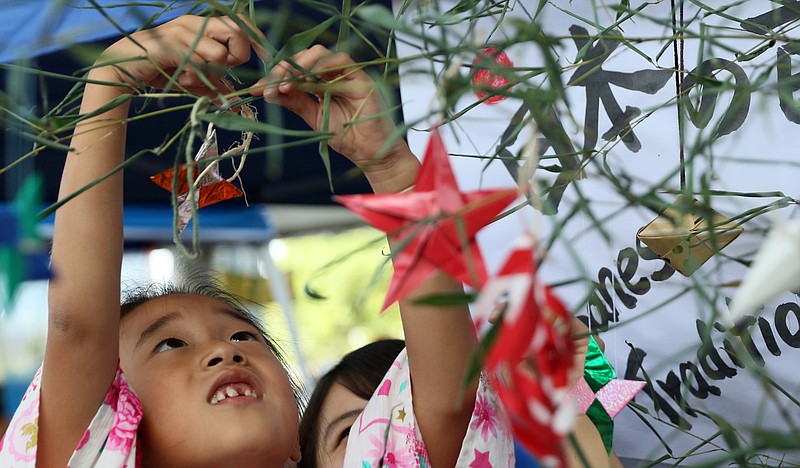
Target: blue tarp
{"type": "Point", "coordinates": [34, 27]}
{"type": "Point", "coordinates": [220, 223]}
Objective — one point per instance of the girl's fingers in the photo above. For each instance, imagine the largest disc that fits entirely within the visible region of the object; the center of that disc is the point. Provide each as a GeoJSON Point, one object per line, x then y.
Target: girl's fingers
{"type": "Point", "coordinates": [237, 41]}
{"type": "Point", "coordinates": [302, 66]}
{"type": "Point", "coordinates": [301, 104]}
{"type": "Point", "coordinates": [279, 88]}
{"type": "Point", "coordinates": [336, 63]}
{"type": "Point", "coordinates": [259, 87]}
{"type": "Point", "coordinates": [306, 59]}
{"type": "Point", "coordinates": [280, 80]}
{"type": "Point", "coordinates": [256, 38]}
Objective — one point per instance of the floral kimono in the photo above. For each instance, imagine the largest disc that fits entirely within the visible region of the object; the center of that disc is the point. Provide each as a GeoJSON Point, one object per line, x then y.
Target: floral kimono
{"type": "Point", "coordinates": [109, 442]}
{"type": "Point", "coordinates": [386, 432]}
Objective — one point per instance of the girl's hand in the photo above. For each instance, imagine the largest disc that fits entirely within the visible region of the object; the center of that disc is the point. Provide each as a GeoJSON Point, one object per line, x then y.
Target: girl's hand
{"type": "Point", "coordinates": [357, 115]}
{"type": "Point", "coordinates": [192, 44]}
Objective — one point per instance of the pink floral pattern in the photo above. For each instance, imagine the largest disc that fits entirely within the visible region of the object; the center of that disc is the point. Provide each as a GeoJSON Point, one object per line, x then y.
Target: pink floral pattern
{"type": "Point", "coordinates": [128, 416]}
{"type": "Point", "coordinates": [484, 417]}
{"type": "Point", "coordinates": [386, 434]}
{"type": "Point", "coordinates": [109, 441]}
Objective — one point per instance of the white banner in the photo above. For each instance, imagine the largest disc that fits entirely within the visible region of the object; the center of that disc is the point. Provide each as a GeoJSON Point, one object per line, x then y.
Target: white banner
{"type": "Point", "coordinates": [741, 158]}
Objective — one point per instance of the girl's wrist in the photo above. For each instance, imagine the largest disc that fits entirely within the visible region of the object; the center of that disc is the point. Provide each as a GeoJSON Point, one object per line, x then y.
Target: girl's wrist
{"type": "Point", "coordinates": [396, 173]}
{"type": "Point", "coordinates": [109, 78]}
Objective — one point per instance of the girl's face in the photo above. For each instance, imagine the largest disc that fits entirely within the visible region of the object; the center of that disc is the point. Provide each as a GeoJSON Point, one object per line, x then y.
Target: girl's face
{"type": "Point", "coordinates": [337, 415]}
{"type": "Point", "coordinates": [213, 392]}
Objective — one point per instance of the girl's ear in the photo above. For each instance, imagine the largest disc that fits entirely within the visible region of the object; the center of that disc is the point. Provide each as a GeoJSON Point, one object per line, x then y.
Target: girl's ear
{"type": "Point", "coordinates": [296, 455]}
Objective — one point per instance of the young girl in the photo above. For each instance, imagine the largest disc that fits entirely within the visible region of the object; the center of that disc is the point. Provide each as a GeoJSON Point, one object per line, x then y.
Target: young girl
{"type": "Point", "coordinates": [442, 426]}
{"type": "Point", "coordinates": [209, 389]}
{"type": "Point", "coordinates": [343, 392]}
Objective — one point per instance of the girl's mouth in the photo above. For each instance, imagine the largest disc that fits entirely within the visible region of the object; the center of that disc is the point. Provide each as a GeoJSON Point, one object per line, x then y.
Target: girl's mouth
{"type": "Point", "coordinates": [233, 390]}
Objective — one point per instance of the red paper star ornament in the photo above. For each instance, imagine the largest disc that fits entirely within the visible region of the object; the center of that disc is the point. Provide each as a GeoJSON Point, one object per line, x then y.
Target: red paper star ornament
{"type": "Point", "coordinates": [434, 225]}
{"type": "Point", "coordinates": [211, 187]}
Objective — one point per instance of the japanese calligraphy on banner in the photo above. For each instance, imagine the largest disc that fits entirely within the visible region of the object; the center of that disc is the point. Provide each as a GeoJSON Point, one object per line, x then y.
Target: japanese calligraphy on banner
{"type": "Point", "coordinates": [594, 88]}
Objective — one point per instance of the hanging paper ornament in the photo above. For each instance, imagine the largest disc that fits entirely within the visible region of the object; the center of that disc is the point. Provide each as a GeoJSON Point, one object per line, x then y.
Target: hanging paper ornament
{"type": "Point", "coordinates": [687, 233]}
{"type": "Point", "coordinates": [532, 353]}
{"type": "Point", "coordinates": [597, 372]}
{"type": "Point", "coordinates": [209, 187]}
{"type": "Point", "coordinates": [775, 269]}
{"type": "Point", "coordinates": [613, 396]}
{"type": "Point", "coordinates": [23, 255]}
{"type": "Point", "coordinates": [488, 75]}
{"type": "Point", "coordinates": [433, 226]}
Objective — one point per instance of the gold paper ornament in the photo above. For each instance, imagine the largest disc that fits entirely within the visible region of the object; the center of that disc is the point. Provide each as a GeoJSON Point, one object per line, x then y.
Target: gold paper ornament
{"type": "Point", "coordinates": [687, 233]}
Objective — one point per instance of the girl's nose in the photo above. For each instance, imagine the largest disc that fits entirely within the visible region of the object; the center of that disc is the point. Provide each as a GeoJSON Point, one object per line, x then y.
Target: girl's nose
{"type": "Point", "coordinates": [224, 352]}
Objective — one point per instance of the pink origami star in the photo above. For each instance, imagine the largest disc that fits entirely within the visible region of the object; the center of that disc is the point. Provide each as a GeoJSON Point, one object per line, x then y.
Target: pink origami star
{"type": "Point", "coordinates": [613, 396]}
{"type": "Point", "coordinates": [432, 226]}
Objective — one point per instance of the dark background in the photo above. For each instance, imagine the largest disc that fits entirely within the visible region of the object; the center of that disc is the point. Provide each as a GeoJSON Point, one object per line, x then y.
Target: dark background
{"type": "Point", "coordinates": [295, 176]}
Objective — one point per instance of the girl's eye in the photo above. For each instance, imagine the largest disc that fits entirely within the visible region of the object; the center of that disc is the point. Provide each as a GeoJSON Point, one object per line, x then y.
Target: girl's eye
{"type": "Point", "coordinates": [343, 436]}
{"type": "Point", "coordinates": [168, 344]}
{"type": "Point", "coordinates": [243, 336]}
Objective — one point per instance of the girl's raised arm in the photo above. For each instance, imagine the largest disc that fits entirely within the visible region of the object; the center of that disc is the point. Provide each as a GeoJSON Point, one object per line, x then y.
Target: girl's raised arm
{"type": "Point", "coordinates": [82, 348]}
{"type": "Point", "coordinates": [439, 341]}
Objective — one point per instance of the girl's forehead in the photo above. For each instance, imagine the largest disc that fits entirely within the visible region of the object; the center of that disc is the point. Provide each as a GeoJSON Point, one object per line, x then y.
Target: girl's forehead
{"type": "Point", "coordinates": [180, 303]}
{"type": "Point", "coordinates": [178, 308]}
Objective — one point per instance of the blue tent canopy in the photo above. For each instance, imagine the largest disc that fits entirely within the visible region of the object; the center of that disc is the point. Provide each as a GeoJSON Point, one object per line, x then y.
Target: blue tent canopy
{"type": "Point", "coordinates": [218, 224]}
{"type": "Point", "coordinates": [31, 27]}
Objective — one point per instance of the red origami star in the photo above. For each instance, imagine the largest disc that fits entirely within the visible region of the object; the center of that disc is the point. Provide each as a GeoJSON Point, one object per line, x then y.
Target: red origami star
{"type": "Point", "coordinates": [434, 225]}
{"type": "Point", "coordinates": [211, 187]}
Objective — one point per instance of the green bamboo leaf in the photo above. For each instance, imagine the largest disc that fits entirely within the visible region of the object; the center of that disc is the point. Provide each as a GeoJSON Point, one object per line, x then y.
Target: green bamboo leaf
{"type": "Point", "coordinates": [305, 39]}
{"type": "Point", "coordinates": [479, 353]}
{"type": "Point", "coordinates": [463, 6]}
{"type": "Point", "coordinates": [52, 208]}
{"type": "Point", "coordinates": [381, 16]}
{"type": "Point", "coordinates": [539, 8]}
{"type": "Point", "coordinates": [344, 27]}
{"type": "Point", "coordinates": [27, 202]}
{"type": "Point", "coordinates": [624, 6]}
{"type": "Point", "coordinates": [311, 293]}
{"type": "Point", "coordinates": [55, 123]}
{"type": "Point", "coordinates": [46, 142]}
{"type": "Point", "coordinates": [105, 107]}
{"type": "Point", "coordinates": [726, 430]}
{"type": "Point", "coordinates": [775, 439]}
{"type": "Point", "coordinates": [446, 300]}
{"type": "Point", "coordinates": [639, 408]}
{"type": "Point", "coordinates": [745, 57]}
{"type": "Point", "coordinates": [324, 152]}
{"type": "Point", "coordinates": [238, 123]}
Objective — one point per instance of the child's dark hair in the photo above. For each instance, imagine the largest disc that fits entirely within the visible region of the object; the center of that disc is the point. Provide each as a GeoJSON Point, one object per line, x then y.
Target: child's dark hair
{"type": "Point", "coordinates": [204, 284]}
{"type": "Point", "coordinates": [360, 371]}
